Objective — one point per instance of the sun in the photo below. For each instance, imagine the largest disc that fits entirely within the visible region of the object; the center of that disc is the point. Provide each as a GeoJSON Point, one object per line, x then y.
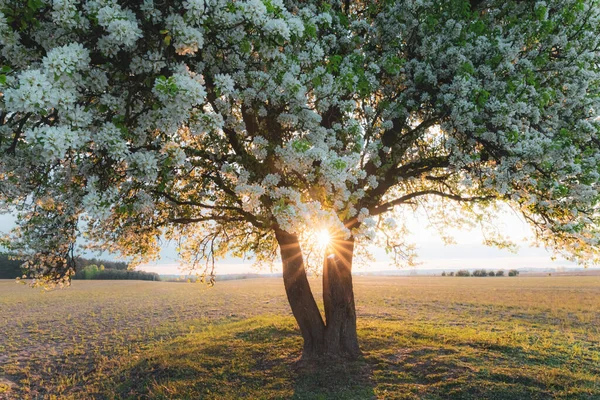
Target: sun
{"type": "Point", "coordinates": [323, 238]}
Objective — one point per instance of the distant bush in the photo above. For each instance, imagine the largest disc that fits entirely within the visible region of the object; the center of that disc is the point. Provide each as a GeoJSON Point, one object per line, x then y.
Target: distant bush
{"type": "Point", "coordinates": [480, 272]}
{"type": "Point", "coordinates": [513, 272]}
{"type": "Point", "coordinates": [451, 273]}
{"type": "Point", "coordinates": [491, 273]}
{"type": "Point", "coordinates": [500, 273]}
{"type": "Point", "coordinates": [101, 273]}
{"type": "Point", "coordinates": [9, 269]}
{"type": "Point", "coordinates": [444, 273]}
{"type": "Point", "coordinates": [463, 272]}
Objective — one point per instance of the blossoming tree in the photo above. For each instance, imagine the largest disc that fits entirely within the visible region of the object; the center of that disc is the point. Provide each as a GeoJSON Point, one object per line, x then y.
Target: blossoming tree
{"type": "Point", "coordinates": [244, 127]}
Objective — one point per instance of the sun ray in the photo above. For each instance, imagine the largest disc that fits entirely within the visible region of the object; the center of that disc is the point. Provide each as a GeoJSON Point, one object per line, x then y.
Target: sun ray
{"type": "Point", "coordinates": [323, 238]}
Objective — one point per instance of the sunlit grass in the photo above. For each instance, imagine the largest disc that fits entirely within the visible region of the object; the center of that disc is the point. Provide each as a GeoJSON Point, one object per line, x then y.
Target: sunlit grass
{"type": "Point", "coordinates": [512, 338]}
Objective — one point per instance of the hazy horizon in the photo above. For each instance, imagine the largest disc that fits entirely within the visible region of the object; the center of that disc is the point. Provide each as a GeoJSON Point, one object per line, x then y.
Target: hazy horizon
{"type": "Point", "coordinates": [468, 252]}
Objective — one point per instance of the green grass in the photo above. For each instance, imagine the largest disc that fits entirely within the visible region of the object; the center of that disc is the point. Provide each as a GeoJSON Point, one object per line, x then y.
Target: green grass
{"type": "Point", "coordinates": [422, 338]}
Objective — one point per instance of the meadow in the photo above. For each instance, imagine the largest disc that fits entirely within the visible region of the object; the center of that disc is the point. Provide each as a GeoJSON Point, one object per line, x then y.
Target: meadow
{"type": "Point", "coordinates": [422, 338]}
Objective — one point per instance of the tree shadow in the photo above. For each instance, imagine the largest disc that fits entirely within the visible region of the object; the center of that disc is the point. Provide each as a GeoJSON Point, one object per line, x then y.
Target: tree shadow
{"type": "Point", "coordinates": [259, 358]}
{"type": "Point", "coordinates": [255, 359]}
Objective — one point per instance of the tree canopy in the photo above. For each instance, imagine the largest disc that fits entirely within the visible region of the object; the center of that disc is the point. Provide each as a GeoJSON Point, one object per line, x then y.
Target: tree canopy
{"type": "Point", "coordinates": [217, 122]}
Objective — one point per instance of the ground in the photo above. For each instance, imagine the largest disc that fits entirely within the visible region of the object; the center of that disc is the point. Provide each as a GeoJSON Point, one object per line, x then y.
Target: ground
{"type": "Point", "coordinates": [422, 338]}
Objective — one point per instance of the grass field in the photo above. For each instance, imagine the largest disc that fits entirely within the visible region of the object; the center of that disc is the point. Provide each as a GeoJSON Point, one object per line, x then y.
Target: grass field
{"type": "Point", "coordinates": [422, 337]}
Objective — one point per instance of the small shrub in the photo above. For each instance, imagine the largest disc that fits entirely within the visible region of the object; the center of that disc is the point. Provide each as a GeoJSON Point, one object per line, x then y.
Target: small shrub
{"type": "Point", "coordinates": [513, 272]}
{"type": "Point", "coordinates": [480, 272]}
{"type": "Point", "coordinates": [500, 273]}
{"type": "Point", "coordinates": [491, 273]}
{"type": "Point", "coordinates": [451, 273]}
{"type": "Point", "coordinates": [463, 272]}
{"type": "Point", "coordinates": [444, 273]}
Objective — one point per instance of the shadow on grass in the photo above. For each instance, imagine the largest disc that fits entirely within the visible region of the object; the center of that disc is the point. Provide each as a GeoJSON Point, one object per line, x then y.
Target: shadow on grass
{"type": "Point", "coordinates": [258, 359]}
{"type": "Point", "coordinates": [253, 359]}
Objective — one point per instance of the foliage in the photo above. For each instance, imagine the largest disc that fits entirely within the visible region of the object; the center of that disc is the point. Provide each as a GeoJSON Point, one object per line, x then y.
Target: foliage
{"type": "Point", "coordinates": [214, 123]}
{"type": "Point", "coordinates": [480, 272]}
{"type": "Point", "coordinates": [513, 272]}
{"type": "Point", "coordinates": [463, 272]}
{"type": "Point", "coordinates": [500, 272]}
{"type": "Point", "coordinates": [423, 337]}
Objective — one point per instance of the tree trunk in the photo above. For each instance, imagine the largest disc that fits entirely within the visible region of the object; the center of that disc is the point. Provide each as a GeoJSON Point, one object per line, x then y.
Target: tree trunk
{"type": "Point", "coordinates": [338, 299]}
{"type": "Point", "coordinates": [300, 296]}
{"type": "Point", "coordinates": [338, 338]}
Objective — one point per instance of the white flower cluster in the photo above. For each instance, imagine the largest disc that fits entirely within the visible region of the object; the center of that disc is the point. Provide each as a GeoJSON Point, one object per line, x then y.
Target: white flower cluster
{"type": "Point", "coordinates": [109, 138]}
{"type": "Point", "coordinates": [122, 26]}
{"type": "Point", "coordinates": [187, 39]}
{"type": "Point", "coordinates": [277, 27]}
{"type": "Point", "coordinates": [66, 60]}
{"type": "Point", "coordinates": [225, 84]}
{"type": "Point", "coordinates": [196, 10]}
{"type": "Point", "coordinates": [65, 14]}
{"type": "Point", "coordinates": [54, 86]}
{"type": "Point", "coordinates": [180, 91]}
{"type": "Point", "coordinates": [250, 195]}
{"type": "Point", "coordinates": [34, 92]}
{"type": "Point", "coordinates": [258, 148]}
{"type": "Point", "coordinates": [53, 142]}
{"type": "Point", "coordinates": [144, 166]}
{"type": "Point", "coordinates": [98, 204]}
{"type": "Point", "coordinates": [255, 11]}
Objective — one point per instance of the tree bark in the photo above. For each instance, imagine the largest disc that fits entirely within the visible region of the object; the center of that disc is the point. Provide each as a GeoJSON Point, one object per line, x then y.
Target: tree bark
{"type": "Point", "coordinates": [300, 296]}
{"type": "Point", "coordinates": [338, 299]}
{"type": "Point", "coordinates": [338, 338]}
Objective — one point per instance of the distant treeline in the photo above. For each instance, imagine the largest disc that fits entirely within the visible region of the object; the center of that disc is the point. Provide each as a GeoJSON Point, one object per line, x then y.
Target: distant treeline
{"type": "Point", "coordinates": [81, 263]}
{"type": "Point", "coordinates": [480, 272]}
{"type": "Point", "coordinates": [99, 272]}
{"type": "Point", "coordinates": [85, 268]}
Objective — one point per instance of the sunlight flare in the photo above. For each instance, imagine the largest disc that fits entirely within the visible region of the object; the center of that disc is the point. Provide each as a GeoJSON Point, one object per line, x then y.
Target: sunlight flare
{"type": "Point", "coordinates": [323, 238]}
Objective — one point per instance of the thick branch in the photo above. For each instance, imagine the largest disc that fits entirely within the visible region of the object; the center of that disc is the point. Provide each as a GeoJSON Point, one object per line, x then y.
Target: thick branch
{"type": "Point", "coordinates": [406, 198]}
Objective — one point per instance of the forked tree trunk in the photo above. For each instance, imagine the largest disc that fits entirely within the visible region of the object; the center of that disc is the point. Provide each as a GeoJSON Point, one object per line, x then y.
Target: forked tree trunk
{"type": "Point", "coordinates": [338, 337]}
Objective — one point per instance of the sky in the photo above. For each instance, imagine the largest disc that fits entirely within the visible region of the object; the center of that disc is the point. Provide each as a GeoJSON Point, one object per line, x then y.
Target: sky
{"type": "Point", "coordinates": [467, 253]}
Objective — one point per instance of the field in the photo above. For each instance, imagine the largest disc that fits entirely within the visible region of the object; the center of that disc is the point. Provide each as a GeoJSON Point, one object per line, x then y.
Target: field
{"type": "Point", "coordinates": [422, 338]}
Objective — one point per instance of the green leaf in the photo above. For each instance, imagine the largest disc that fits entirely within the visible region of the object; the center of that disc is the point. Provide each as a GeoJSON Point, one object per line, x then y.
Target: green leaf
{"type": "Point", "coordinates": [334, 63]}
{"type": "Point", "coordinates": [339, 164]}
{"type": "Point", "coordinates": [245, 46]}
{"type": "Point", "coordinates": [301, 145]}
{"type": "Point", "coordinates": [310, 30]}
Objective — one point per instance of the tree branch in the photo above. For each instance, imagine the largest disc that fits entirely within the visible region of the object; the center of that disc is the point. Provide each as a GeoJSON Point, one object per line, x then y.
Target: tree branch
{"type": "Point", "coordinates": [406, 198]}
